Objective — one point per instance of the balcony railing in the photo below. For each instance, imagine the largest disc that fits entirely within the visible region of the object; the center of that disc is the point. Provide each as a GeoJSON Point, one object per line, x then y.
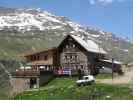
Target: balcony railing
{"type": "Point", "coordinates": [20, 73]}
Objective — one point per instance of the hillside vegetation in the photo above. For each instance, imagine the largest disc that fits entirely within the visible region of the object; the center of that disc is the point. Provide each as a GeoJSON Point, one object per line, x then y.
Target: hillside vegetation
{"type": "Point", "coordinates": [66, 89]}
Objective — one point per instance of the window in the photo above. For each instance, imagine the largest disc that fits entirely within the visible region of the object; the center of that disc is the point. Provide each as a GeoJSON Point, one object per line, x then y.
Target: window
{"type": "Point", "coordinates": [65, 57]}
{"type": "Point", "coordinates": [68, 57]}
{"type": "Point", "coordinates": [86, 78]}
{"type": "Point", "coordinates": [73, 45]}
{"type": "Point", "coordinates": [71, 56]}
{"type": "Point", "coordinates": [67, 46]}
{"type": "Point", "coordinates": [70, 39]}
{"type": "Point", "coordinates": [45, 57]}
{"type": "Point", "coordinates": [34, 57]}
{"type": "Point", "coordinates": [38, 57]}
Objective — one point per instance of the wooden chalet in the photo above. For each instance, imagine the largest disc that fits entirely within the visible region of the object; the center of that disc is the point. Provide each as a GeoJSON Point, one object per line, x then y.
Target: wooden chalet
{"type": "Point", "coordinates": [73, 53]}
{"type": "Point", "coordinates": [43, 60]}
{"type": "Point", "coordinates": [76, 52]}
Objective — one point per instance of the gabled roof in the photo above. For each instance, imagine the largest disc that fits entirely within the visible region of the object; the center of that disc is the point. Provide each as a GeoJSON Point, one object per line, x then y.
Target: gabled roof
{"type": "Point", "coordinates": [110, 61]}
{"type": "Point", "coordinates": [39, 51]}
{"type": "Point", "coordinates": [89, 45]}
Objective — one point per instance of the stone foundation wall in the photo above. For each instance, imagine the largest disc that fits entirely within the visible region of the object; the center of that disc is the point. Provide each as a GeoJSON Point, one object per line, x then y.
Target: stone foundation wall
{"type": "Point", "coordinates": [20, 84]}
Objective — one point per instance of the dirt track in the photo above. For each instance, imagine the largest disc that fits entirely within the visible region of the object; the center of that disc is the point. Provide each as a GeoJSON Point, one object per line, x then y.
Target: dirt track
{"type": "Point", "coordinates": [126, 79]}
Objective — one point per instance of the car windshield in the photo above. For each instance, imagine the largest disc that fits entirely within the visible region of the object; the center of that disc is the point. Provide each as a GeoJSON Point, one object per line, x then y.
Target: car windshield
{"type": "Point", "coordinates": [85, 78]}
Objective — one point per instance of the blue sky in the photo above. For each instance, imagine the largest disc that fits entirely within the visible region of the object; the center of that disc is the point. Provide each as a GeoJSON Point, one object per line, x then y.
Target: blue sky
{"type": "Point", "coordinates": [114, 16]}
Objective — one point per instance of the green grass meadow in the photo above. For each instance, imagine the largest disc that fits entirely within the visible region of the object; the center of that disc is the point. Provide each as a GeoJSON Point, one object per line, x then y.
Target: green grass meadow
{"type": "Point", "coordinates": [66, 89]}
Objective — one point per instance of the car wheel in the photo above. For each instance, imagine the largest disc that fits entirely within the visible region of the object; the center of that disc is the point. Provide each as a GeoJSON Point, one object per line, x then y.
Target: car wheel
{"type": "Point", "coordinates": [89, 83]}
{"type": "Point", "coordinates": [93, 81]}
{"type": "Point", "coordinates": [78, 84]}
{"type": "Point", "coordinates": [84, 84]}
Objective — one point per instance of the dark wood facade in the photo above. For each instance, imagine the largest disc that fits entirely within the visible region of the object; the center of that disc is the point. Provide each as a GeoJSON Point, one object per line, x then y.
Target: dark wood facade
{"type": "Point", "coordinates": [73, 55]}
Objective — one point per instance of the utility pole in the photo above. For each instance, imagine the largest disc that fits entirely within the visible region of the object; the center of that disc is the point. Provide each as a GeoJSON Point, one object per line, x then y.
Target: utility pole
{"type": "Point", "coordinates": [119, 46]}
{"type": "Point", "coordinates": [112, 68]}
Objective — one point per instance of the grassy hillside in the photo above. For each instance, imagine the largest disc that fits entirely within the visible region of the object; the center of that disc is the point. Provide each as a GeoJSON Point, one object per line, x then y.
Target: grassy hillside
{"type": "Point", "coordinates": [65, 89]}
{"type": "Point", "coordinates": [12, 47]}
{"type": "Point", "coordinates": [4, 78]}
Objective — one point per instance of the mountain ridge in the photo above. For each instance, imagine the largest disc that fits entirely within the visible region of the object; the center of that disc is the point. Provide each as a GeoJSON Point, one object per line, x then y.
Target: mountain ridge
{"type": "Point", "coordinates": [33, 29]}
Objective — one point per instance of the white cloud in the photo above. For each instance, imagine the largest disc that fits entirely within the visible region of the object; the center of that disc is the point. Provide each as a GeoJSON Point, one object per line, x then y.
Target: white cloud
{"type": "Point", "coordinates": [104, 2]}
{"type": "Point", "coordinates": [92, 2]}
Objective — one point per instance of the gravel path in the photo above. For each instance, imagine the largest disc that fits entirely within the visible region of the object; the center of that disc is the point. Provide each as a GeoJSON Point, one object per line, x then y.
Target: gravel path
{"type": "Point", "coordinates": [127, 78]}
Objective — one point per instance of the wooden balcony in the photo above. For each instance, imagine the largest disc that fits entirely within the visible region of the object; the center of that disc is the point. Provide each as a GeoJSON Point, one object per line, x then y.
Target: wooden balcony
{"type": "Point", "coordinates": [31, 73]}
{"type": "Point", "coordinates": [26, 73]}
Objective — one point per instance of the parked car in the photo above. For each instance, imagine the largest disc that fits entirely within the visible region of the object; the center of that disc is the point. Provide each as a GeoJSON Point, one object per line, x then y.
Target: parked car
{"type": "Point", "coordinates": [86, 80]}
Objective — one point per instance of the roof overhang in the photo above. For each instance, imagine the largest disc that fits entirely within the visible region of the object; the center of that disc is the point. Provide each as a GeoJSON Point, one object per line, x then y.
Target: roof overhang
{"type": "Point", "coordinates": [110, 61]}
{"type": "Point", "coordinates": [39, 51]}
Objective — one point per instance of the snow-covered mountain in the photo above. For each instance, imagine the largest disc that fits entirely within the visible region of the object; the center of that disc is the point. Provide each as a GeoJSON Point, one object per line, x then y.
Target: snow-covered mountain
{"type": "Point", "coordinates": [23, 30]}
{"type": "Point", "coordinates": [24, 20]}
